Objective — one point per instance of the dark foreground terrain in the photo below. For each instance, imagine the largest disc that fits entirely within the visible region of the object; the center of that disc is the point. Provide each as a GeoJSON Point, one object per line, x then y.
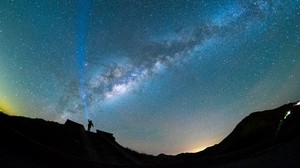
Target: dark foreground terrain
{"type": "Point", "coordinates": [263, 139]}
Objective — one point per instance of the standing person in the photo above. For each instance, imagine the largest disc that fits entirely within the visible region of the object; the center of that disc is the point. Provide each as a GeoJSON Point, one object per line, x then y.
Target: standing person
{"type": "Point", "coordinates": [90, 124]}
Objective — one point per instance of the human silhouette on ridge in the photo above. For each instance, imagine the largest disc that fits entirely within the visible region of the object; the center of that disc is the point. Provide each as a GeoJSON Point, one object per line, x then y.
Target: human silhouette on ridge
{"type": "Point", "coordinates": [90, 124]}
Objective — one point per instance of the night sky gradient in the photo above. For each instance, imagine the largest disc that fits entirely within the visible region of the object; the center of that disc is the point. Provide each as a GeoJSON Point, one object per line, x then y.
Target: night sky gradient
{"type": "Point", "coordinates": [162, 76]}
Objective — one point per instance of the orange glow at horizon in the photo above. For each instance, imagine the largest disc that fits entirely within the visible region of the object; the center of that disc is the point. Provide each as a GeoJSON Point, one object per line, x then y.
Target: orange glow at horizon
{"type": "Point", "coordinates": [203, 145]}
{"type": "Point", "coordinates": [198, 149]}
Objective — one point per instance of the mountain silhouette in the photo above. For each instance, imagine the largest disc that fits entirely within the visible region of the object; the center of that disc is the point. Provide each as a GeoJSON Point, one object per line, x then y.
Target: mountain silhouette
{"type": "Point", "coordinates": [268, 138]}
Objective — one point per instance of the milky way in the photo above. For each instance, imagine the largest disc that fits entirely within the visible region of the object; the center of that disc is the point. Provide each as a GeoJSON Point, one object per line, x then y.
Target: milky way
{"type": "Point", "coordinates": [163, 76]}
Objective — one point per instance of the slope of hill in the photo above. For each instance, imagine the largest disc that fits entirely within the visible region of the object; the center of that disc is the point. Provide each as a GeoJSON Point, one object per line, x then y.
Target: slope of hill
{"type": "Point", "coordinates": [263, 139]}
{"type": "Point", "coordinates": [39, 143]}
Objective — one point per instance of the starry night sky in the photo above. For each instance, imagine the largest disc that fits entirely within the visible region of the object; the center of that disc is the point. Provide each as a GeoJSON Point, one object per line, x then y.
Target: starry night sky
{"type": "Point", "coordinates": [163, 76]}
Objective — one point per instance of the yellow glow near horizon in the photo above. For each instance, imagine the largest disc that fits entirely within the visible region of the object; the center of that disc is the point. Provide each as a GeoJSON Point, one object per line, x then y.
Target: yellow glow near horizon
{"type": "Point", "coordinates": [6, 105]}
{"type": "Point", "coordinates": [7, 109]}
{"type": "Point", "coordinates": [197, 147]}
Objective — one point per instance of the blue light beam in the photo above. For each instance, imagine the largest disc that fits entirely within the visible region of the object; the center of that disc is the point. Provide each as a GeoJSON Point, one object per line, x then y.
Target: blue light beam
{"type": "Point", "coordinates": [82, 27]}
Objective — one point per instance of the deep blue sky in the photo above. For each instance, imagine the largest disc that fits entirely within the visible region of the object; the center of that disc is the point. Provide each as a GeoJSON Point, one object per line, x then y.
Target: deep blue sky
{"type": "Point", "coordinates": [163, 76]}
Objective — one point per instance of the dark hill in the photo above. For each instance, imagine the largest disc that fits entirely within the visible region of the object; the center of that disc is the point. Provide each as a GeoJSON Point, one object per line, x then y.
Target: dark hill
{"type": "Point", "coordinates": [27, 142]}
{"type": "Point", "coordinates": [263, 139]}
{"type": "Point", "coordinates": [268, 138]}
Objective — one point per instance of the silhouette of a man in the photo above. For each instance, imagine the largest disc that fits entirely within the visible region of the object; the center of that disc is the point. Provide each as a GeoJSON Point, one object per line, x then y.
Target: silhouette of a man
{"type": "Point", "coordinates": [90, 124]}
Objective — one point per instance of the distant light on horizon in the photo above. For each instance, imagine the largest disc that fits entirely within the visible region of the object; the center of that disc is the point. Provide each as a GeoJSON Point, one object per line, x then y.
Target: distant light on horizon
{"type": "Point", "coordinates": [287, 114]}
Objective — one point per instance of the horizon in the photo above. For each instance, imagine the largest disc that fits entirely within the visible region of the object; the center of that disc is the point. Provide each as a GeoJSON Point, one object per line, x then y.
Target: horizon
{"type": "Point", "coordinates": [95, 130]}
{"type": "Point", "coordinates": [164, 77]}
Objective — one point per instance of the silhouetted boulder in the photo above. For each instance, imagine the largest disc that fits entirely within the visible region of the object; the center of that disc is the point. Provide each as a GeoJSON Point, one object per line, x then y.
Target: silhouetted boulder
{"type": "Point", "coordinates": [106, 134]}
{"type": "Point", "coordinates": [73, 125]}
